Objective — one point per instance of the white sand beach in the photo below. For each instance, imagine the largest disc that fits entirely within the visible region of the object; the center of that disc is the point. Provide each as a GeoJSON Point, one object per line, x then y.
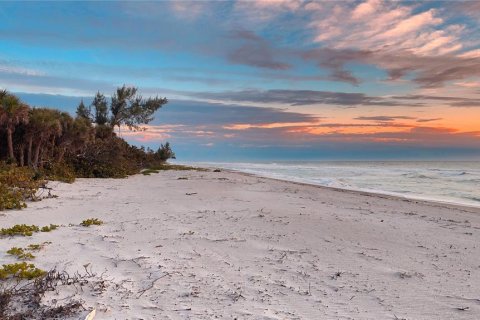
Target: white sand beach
{"type": "Point", "coordinates": [225, 245]}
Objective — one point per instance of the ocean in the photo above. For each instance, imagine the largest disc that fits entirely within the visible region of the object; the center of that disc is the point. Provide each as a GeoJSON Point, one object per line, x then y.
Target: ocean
{"type": "Point", "coordinates": [455, 182]}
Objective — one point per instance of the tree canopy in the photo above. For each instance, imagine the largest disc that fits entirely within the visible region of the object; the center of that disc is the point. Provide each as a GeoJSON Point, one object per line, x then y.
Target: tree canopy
{"type": "Point", "coordinates": [126, 108]}
{"type": "Point", "coordinates": [86, 144]}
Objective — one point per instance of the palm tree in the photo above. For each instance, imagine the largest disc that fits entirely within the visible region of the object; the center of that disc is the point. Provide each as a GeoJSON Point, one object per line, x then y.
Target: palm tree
{"type": "Point", "coordinates": [20, 142]}
{"type": "Point", "coordinates": [65, 139]}
{"type": "Point", "coordinates": [28, 137]}
{"type": "Point", "coordinates": [45, 124]}
{"type": "Point", "coordinates": [76, 134]}
{"type": "Point", "coordinates": [12, 113]}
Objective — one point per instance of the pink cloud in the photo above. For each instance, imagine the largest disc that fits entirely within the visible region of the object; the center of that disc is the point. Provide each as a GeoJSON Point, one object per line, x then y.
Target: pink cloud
{"type": "Point", "coordinates": [471, 54]}
{"type": "Point", "coordinates": [151, 133]}
{"type": "Point", "coordinates": [365, 9]}
{"type": "Point", "coordinates": [468, 84]}
{"type": "Point", "coordinates": [384, 26]}
{"type": "Point", "coordinates": [413, 23]}
{"type": "Point", "coordinates": [261, 11]}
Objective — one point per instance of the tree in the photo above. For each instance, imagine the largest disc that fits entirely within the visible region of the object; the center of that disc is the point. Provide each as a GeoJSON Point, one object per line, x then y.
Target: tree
{"type": "Point", "coordinates": [66, 137]}
{"type": "Point", "coordinates": [130, 109]}
{"type": "Point", "coordinates": [76, 134]}
{"type": "Point", "coordinates": [12, 113]}
{"type": "Point", "coordinates": [19, 142]}
{"type": "Point", "coordinates": [83, 111]}
{"type": "Point", "coordinates": [126, 107]}
{"type": "Point", "coordinates": [28, 137]}
{"type": "Point", "coordinates": [101, 109]}
{"type": "Point", "coordinates": [165, 152]}
{"type": "Point", "coordinates": [46, 125]}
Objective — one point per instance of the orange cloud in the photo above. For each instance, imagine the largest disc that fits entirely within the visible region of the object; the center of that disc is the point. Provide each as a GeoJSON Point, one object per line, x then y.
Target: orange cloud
{"type": "Point", "coordinates": [246, 126]}
{"type": "Point", "coordinates": [150, 132]}
{"type": "Point", "coordinates": [393, 131]}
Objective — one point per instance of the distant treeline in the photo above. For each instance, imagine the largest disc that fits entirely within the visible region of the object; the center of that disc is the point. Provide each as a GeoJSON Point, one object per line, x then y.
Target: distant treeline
{"type": "Point", "coordinates": [56, 144]}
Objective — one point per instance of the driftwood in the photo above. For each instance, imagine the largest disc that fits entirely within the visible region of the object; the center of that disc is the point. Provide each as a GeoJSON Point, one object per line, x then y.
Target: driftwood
{"type": "Point", "coordinates": [91, 315]}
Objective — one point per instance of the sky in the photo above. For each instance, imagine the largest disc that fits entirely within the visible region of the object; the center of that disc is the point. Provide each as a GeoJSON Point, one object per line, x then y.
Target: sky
{"type": "Point", "coordinates": [263, 80]}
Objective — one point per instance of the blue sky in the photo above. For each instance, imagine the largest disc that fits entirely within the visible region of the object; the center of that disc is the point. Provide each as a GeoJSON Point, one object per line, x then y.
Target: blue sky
{"type": "Point", "coordinates": [263, 79]}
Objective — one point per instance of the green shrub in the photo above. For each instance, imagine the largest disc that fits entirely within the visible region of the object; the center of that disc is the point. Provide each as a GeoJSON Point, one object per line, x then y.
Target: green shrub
{"type": "Point", "coordinates": [148, 172]}
{"type": "Point", "coordinates": [10, 199]}
{"type": "Point", "coordinates": [17, 185]}
{"type": "Point", "coordinates": [59, 172]}
{"type": "Point", "coordinates": [20, 253]}
{"type": "Point", "coordinates": [111, 157]}
{"type": "Point", "coordinates": [23, 254]}
{"type": "Point", "coordinates": [25, 230]}
{"type": "Point", "coordinates": [20, 270]}
{"type": "Point", "coordinates": [36, 247]}
{"type": "Point", "coordinates": [92, 221]}
{"type": "Point", "coordinates": [49, 228]}
{"type": "Point", "coordinates": [19, 229]}
{"type": "Point", "coordinates": [165, 152]}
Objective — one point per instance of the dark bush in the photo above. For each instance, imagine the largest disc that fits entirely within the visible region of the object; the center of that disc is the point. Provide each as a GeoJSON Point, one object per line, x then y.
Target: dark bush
{"type": "Point", "coordinates": [165, 152]}
{"type": "Point", "coordinates": [59, 171]}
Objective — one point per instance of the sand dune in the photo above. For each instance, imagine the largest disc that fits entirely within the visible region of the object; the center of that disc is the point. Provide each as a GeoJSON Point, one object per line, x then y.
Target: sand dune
{"type": "Point", "coordinates": [206, 245]}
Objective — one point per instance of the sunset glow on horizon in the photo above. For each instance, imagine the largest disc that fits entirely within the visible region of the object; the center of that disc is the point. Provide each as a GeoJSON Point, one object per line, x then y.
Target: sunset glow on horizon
{"type": "Point", "coordinates": [254, 79]}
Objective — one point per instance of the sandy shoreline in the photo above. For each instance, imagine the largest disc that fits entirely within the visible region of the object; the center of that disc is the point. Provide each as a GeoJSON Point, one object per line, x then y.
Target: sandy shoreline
{"type": "Point", "coordinates": [200, 245]}
{"type": "Point", "coordinates": [451, 205]}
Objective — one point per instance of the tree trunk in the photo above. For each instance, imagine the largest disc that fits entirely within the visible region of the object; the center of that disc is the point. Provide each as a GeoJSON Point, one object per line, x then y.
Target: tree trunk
{"type": "Point", "coordinates": [10, 143]}
{"type": "Point", "coordinates": [43, 153]}
{"type": "Point", "coordinates": [37, 154]}
{"type": "Point", "coordinates": [61, 154]}
{"type": "Point", "coordinates": [53, 147]}
{"type": "Point", "coordinates": [29, 155]}
{"type": "Point", "coordinates": [22, 155]}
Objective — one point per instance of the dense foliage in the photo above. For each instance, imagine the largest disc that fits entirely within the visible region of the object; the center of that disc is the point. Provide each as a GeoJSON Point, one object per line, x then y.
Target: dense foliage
{"type": "Point", "coordinates": [60, 146]}
{"type": "Point", "coordinates": [42, 143]}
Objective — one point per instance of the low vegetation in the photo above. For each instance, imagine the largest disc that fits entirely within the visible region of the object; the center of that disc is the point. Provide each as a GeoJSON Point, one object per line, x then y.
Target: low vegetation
{"type": "Point", "coordinates": [25, 230]}
{"type": "Point", "coordinates": [36, 246]}
{"type": "Point", "coordinates": [91, 222]}
{"type": "Point", "coordinates": [49, 228]}
{"type": "Point", "coordinates": [17, 185]}
{"type": "Point", "coordinates": [21, 253]}
{"type": "Point", "coordinates": [19, 230]}
{"type": "Point", "coordinates": [148, 172]}
{"type": "Point", "coordinates": [25, 253]}
{"type": "Point", "coordinates": [22, 299]}
{"type": "Point", "coordinates": [20, 270]}
{"type": "Point", "coordinates": [23, 285]}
